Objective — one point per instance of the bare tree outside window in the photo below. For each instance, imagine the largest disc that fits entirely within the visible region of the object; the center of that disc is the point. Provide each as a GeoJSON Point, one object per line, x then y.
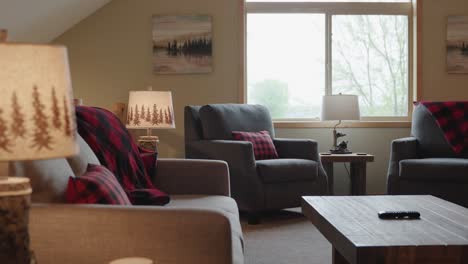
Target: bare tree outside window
{"type": "Point", "coordinates": [370, 59]}
{"type": "Point", "coordinates": [293, 58]}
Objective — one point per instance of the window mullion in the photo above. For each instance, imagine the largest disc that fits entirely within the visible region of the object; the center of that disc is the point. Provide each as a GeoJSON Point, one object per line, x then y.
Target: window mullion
{"type": "Point", "coordinates": [328, 53]}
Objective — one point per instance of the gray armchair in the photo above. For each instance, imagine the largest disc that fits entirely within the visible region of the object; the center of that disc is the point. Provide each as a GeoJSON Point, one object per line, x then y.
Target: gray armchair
{"type": "Point", "coordinates": [256, 185]}
{"type": "Point", "coordinates": [426, 164]}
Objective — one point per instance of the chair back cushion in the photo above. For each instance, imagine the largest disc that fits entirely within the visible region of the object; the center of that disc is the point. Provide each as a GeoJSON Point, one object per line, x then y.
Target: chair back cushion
{"type": "Point", "coordinates": [219, 120]}
{"type": "Point", "coordinates": [192, 124]}
{"type": "Point", "coordinates": [431, 139]}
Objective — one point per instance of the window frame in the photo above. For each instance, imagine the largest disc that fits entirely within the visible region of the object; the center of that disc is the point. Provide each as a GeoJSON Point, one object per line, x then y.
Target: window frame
{"type": "Point", "coordinates": [329, 9]}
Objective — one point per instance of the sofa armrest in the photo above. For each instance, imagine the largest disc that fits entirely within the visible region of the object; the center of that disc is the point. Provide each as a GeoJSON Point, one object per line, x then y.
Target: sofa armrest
{"type": "Point", "coordinates": [185, 176]}
{"type": "Point", "coordinates": [296, 148]}
{"type": "Point", "coordinates": [403, 148]}
{"type": "Point", "coordinates": [98, 234]}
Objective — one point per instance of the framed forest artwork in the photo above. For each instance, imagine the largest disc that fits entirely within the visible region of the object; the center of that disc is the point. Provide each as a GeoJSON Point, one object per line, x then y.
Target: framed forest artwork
{"type": "Point", "coordinates": [457, 44]}
{"type": "Point", "coordinates": [182, 44]}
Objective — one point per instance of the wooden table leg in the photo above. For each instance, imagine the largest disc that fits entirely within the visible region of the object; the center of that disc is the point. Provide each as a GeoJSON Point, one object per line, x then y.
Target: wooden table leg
{"type": "Point", "coordinates": [328, 167]}
{"type": "Point", "coordinates": [337, 258]}
{"type": "Point", "coordinates": [358, 178]}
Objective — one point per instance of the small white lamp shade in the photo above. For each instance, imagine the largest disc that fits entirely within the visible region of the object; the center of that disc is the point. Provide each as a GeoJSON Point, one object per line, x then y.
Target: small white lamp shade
{"type": "Point", "coordinates": [37, 117]}
{"type": "Point", "coordinates": [150, 109]}
{"type": "Point", "coordinates": [340, 107]}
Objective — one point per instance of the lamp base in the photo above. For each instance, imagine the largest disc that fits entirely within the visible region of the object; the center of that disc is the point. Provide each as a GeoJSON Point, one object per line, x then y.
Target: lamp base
{"type": "Point", "coordinates": [340, 151]}
{"type": "Point", "coordinates": [148, 142]}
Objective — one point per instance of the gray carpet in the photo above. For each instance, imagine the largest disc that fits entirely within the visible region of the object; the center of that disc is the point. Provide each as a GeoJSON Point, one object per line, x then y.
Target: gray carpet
{"type": "Point", "coordinates": [285, 237]}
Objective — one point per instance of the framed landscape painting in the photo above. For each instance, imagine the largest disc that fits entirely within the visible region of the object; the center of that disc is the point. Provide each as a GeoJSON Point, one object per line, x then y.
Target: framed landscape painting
{"type": "Point", "coordinates": [182, 44]}
{"type": "Point", "coordinates": [457, 44]}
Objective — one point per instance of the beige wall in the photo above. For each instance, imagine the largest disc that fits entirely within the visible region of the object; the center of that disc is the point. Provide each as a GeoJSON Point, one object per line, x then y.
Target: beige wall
{"type": "Point", "coordinates": [110, 54]}
{"type": "Point", "coordinates": [437, 83]}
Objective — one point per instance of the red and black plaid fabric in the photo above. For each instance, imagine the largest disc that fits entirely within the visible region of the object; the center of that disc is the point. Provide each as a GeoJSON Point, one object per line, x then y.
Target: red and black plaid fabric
{"type": "Point", "coordinates": [97, 186]}
{"type": "Point", "coordinates": [150, 160]}
{"type": "Point", "coordinates": [263, 146]}
{"type": "Point", "coordinates": [117, 151]}
{"type": "Point", "coordinates": [452, 118]}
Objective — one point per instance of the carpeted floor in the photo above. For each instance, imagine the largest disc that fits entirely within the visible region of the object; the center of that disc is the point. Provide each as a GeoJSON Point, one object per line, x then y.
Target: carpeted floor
{"type": "Point", "coordinates": [285, 237]}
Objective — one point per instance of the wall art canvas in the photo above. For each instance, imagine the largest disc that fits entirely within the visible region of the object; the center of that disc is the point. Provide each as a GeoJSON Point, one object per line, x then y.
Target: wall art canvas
{"type": "Point", "coordinates": [182, 44]}
{"type": "Point", "coordinates": [457, 44]}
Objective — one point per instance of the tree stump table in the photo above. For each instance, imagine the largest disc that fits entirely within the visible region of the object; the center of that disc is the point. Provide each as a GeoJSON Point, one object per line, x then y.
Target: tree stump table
{"type": "Point", "coordinates": [15, 201]}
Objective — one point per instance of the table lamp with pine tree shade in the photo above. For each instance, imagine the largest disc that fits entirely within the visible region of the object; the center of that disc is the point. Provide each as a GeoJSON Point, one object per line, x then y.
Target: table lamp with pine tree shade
{"type": "Point", "coordinates": [37, 121]}
{"type": "Point", "coordinates": [150, 110]}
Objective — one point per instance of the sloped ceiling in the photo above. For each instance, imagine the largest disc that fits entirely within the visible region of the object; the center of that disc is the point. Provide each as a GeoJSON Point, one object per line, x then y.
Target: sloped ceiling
{"type": "Point", "coordinates": [41, 21]}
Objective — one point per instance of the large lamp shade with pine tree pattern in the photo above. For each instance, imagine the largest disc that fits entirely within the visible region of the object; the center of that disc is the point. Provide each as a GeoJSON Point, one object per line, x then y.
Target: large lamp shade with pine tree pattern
{"type": "Point", "coordinates": [37, 121]}
{"type": "Point", "coordinates": [37, 118]}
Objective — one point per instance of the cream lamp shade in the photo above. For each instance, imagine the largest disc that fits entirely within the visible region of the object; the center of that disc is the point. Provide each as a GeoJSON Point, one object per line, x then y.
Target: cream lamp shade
{"type": "Point", "coordinates": [37, 118]}
{"type": "Point", "coordinates": [340, 107]}
{"type": "Point", "coordinates": [150, 109]}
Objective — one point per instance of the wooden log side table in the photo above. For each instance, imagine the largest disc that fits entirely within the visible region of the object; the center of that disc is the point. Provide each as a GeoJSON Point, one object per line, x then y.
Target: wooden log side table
{"type": "Point", "coordinates": [15, 200]}
{"type": "Point", "coordinates": [358, 165]}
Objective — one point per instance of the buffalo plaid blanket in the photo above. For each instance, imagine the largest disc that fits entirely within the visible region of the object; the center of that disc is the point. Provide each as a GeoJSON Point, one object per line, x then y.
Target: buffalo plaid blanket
{"type": "Point", "coordinates": [452, 118]}
{"type": "Point", "coordinates": [116, 150]}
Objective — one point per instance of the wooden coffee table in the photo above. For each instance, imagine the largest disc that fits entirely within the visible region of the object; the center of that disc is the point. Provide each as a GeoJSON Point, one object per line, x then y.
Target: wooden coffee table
{"type": "Point", "coordinates": [357, 235]}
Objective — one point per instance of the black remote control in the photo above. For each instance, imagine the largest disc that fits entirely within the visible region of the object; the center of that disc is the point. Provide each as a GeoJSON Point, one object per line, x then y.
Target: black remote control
{"type": "Point", "coordinates": [388, 215]}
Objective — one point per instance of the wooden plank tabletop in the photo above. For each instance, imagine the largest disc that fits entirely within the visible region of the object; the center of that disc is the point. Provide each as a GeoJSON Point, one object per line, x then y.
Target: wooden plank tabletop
{"type": "Point", "coordinates": [353, 157]}
{"type": "Point", "coordinates": [351, 224]}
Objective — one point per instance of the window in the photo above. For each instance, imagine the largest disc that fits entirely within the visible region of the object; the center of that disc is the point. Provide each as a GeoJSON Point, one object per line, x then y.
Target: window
{"type": "Point", "coordinates": [298, 51]}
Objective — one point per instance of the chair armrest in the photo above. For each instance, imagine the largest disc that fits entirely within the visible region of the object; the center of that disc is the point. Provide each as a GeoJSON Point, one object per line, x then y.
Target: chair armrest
{"type": "Point", "coordinates": [296, 148]}
{"type": "Point", "coordinates": [246, 186]}
{"type": "Point", "coordinates": [98, 234]}
{"type": "Point", "coordinates": [403, 148]}
{"type": "Point", "coordinates": [232, 151]}
{"type": "Point", "coordinates": [184, 176]}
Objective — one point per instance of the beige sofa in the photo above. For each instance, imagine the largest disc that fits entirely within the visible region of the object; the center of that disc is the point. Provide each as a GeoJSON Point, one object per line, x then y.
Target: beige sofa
{"type": "Point", "coordinates": [199, 225]}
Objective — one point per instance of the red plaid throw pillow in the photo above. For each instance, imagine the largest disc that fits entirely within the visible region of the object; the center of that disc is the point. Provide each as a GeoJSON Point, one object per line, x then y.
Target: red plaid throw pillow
{"type": "Point", "coordinates": [97, 186]}
{"type": "Point", "coordinates": [262, 143]}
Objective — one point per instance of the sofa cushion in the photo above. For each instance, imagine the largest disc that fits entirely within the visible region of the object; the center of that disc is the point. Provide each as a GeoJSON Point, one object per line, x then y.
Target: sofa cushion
{"type": "Point", "coordinates": [443, 169]}
{"type": "Point", "coordinates": [223, 204]}
{"type": "Point", "coordinates": [49, 178]}
{"type": "Point", "coordinates": [263, 146]}
{"type": "Point", "coordinates": [79, 162]}
{"type": "Point", "coordinates": [219, 120]}
{"type": "Point", "coordinates": [287, 170]}
{"type": "Point", "coordinates": [96, 186]}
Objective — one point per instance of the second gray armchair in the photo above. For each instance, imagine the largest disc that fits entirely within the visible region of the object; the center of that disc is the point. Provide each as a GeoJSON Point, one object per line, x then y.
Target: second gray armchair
{"type": "Point", "coordinates": [425, 163]}
{"type": "Point", "coordinates": [256, 185]}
